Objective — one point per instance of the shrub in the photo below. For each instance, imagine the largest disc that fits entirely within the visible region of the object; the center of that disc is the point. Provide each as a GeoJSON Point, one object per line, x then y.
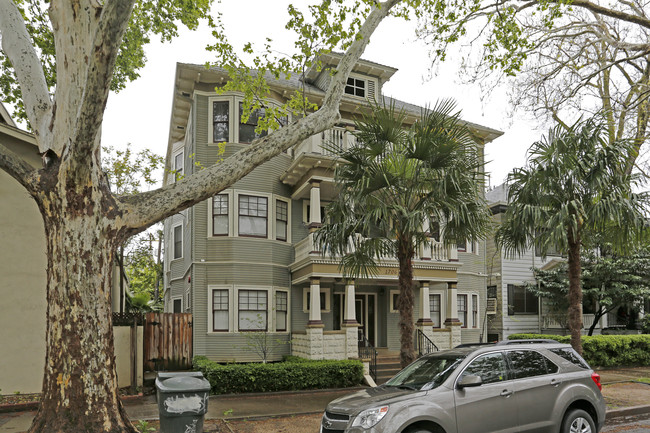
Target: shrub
{"type": "Point", "coordinates": [645, 324]}
{"type": "Point", "coordinates": [606, 350]}
{"type": "Point", "coordinates": [292, 375]}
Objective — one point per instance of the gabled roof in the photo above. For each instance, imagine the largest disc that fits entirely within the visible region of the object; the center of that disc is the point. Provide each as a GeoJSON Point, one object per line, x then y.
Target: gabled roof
{"type": "Point", "coordinates": [364, 67]}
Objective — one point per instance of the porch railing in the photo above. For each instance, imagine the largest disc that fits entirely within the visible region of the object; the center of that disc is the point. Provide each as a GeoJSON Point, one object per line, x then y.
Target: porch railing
{"type": "Point", "coordinates": [424, 344]}
{"type": "Point", "coordinates": [367, 351]}
{"type": "Point", "coordinates": [555, 321]}
{"type": "Point", "coordinates": [327, 142]}
{"type": "Point", "coordinates": [433, 251]}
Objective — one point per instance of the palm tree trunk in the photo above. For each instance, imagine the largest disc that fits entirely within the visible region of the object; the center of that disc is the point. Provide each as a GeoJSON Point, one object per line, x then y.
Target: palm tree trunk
{"type": "Point", "coordinates": [575, 293]}
{"type": "Point", "coordinates": [406, 299]}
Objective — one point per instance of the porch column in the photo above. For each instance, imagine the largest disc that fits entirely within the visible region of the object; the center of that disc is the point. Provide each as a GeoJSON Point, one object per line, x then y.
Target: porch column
{"type": "Point", "coordinates": [349, 312]}
{"type": "Point", "coordinates": [314, 206]}
{"type": "Point", "coordinates": [451, 320]}
{"type": "Point", "coordinates": [350, 323]}
{"type": "Point", "coordinates": [314, 304]}
{"type": "Point", "coordinates": [426, 247]}
{"type": "Point", "coordinates": [425, 313]}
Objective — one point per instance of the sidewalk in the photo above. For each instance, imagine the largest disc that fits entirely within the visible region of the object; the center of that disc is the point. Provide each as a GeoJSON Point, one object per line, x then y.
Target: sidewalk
{"type": "Point", "coordinates": [255, 406]}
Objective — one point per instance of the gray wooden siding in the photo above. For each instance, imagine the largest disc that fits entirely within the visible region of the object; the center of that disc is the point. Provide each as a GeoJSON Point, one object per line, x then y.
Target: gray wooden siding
{"type": "Point", "coordinates": [230, 347]}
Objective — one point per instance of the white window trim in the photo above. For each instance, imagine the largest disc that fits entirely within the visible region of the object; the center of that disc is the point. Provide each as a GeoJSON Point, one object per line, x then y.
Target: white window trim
{"type": "Point", "coordinates": [288, 202]}
{"type": "Point", "coordinates": [187, 299]}
{"type": "Point", "coordinates": [366, 79]}
{"type": "Point", "coordinates": [231, 304]}
{"type": "Point", "coordinates": [231, 203]}
{"type": "Point", "coordinates": [443, 303]}
{"type": "Point", "coordinates": [174, 168]}
{"type": "Point", "coordinates": [478, 310]}
{"type": "Point", "coordinates": [173, 236]}
{"type": "Point", "coordinates": [270, 206]}
{"type": "Point", "coordinates": [173, 299]}
{"type": "Point", "coordinates": [393, 307]}
{"type": "Point", "coordinates": [273, 310]}
{"type": "Point", "coordinates": [269, 307]}
{"type": "Point", "coordinates": [326, 309]}
{"type": "Point", "coordinates": [233, 100]}
{"type": "Point", "coordinates": [231, 116]}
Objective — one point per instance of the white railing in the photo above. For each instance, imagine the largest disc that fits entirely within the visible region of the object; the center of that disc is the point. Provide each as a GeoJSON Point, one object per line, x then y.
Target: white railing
{"type": "Point", "coordinates": [325, 142]}
{"type": "Point", "coordinates": [434, 251]}
{"type": "Point", "coordinates": [554, 321]}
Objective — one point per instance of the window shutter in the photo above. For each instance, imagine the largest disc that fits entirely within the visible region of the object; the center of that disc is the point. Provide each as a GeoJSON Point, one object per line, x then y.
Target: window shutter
{"type": "Point", "coordinates": [371, 89]}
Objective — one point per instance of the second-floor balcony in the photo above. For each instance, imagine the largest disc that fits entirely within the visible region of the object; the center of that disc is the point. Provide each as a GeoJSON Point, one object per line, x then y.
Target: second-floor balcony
{"type": "Point", "coordinates": [433, 251]}
{"type": "Point", "coordinates": [327, 142]}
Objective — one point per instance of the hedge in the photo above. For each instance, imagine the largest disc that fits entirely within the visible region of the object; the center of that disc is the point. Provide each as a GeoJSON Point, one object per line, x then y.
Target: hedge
{"type": "Point", "coordinates": [291, 375]}
{"type": "Point", "coordinates": [606, 350]}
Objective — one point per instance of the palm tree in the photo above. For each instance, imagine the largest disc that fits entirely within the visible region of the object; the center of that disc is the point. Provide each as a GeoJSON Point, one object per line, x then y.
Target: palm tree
{"type": "Point", "coordinates": [391, 182]}
{"type": "Point", "coordinates": [573, 188]}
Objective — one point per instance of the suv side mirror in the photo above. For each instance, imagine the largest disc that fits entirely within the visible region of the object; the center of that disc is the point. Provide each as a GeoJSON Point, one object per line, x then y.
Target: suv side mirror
{"type": "Point", "coordinates": [469, 381]}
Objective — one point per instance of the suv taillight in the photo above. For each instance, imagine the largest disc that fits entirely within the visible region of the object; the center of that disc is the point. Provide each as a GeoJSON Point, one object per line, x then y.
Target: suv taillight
{"type": "Point", "coordinates": [596, 378]}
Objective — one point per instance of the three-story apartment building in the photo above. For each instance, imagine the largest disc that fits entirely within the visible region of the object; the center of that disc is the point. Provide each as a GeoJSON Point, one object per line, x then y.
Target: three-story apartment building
{"type": "Point", "coordinates": [245, 260]}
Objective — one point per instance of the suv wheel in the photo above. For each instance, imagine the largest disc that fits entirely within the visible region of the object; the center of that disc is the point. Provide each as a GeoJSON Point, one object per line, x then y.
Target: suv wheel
{"type": "Point", "coordinates": [578, 421]}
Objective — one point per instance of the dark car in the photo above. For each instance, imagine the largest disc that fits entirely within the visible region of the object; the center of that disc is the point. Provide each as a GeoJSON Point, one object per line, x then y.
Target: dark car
{"type": "Point", "coordinates": [507, 387]}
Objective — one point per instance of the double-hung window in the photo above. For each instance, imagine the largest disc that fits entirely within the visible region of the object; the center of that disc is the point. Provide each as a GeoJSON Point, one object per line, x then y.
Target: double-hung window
{"type": "Point", "coordinates": [220, 217]}
{"type": "Point", "coordinates": [253, 214]}
{"type": "Point", "coordinates": [434, 308]}
{"type": "Point", "coordinates": [521, 301]}
{"type": "Point", "coordinates": [281, 309]}
{"type": "Point", "coordinates": [281, 219]}
{"type": "Point", "coordinates": [253, 310]}
{"type": "Point", "coordinates": [462, 310]}
{"type": "Point", "coordinates": [178, 241]}
{"type": "Point", "coordinates": [220, 315]}
{"type": "Point", "coordinates": [220, 121]}
{"type": "Point", "coordinates": [247, 128]}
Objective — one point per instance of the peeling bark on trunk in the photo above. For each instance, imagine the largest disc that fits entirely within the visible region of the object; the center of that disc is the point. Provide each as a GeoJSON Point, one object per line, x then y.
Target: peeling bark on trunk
{"type": "Point", "coordinates": [406, 299]}
{"type": "Point", "coordinates": [575, 293]}
{"type": "Point", "coordinates": [80, 383]}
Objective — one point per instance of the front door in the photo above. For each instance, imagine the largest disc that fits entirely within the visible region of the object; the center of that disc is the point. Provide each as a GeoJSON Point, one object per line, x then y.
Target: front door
{"type": "Point", "coordinates": [366, 312]}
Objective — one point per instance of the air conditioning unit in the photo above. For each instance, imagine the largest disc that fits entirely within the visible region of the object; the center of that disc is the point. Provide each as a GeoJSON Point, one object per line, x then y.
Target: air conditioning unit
{"type": "Point", "coordinates": [491, 307]}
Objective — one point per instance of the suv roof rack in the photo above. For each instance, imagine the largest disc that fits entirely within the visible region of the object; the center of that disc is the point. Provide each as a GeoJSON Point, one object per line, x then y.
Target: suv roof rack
{"type": "Point", "coordinates": [460, 346]}
{"type": "Point", "coordinates": [527, 341]}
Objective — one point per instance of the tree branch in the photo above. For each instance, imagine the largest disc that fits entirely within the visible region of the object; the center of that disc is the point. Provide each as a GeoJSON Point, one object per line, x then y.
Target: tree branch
{"type": "Point", "coordinates": [17, 168]}
{"type": "Point", "coordinates": [17, 45]}
{"type": "Point", "coordinates": [145, 209]}
{"type": "Point", "coordinates": [113, 22]}
{"type": "Point", "coordinates": [612, 13]}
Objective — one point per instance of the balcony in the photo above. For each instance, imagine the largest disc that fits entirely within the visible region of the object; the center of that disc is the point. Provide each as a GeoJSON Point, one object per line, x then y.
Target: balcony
{"type": "Point", "coordinates": [337, 138]}
{"type": "Point", "coordinates": [554, 321]}
{"type": "Point", "coordinates": [432, 252]}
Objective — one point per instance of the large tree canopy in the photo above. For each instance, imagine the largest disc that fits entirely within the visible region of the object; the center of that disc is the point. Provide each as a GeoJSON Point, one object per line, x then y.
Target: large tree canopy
{"type": "Point", "coordinates": [65, 57]}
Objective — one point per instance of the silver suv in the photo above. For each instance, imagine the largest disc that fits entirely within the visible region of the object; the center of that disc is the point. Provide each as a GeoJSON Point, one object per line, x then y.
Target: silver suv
{"type": "Point", "coordinates": [508, 387]}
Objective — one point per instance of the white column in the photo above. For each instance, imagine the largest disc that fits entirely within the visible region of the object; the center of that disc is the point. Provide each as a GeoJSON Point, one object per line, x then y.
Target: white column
{"type": "Point", "coordinates": [425, 313]}
{"type": "Point", "coordinates": [314, 205]}
{"type": "Point", "coordinates": [426, 247]}
{"type": "Point", "coordinates": [451, 316]}
{"type": "Point", "coordinates": [349, 313]}
{"type": "Point", "coordinates": [314, 303]}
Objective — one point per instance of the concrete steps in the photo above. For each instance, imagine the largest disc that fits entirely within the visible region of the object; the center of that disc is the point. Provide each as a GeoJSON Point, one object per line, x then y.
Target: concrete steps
{"type": "Point", "coordinates": [388, 364]}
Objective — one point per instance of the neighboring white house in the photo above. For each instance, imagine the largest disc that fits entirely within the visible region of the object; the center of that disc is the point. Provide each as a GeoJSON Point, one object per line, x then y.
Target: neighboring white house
{"type": "Point", "coordinates": [512, 309]}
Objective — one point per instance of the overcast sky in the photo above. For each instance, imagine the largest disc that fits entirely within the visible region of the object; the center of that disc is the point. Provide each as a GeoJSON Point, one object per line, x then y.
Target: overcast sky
{"type": "Point", "coordinates": [140, 114]}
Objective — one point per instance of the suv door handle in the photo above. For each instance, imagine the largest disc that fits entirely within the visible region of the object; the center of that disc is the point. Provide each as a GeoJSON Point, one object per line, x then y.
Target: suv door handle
{"type": "Point", "coordinates": [555, 382]}
{"type": "Point", "coordinates": [506, 393]}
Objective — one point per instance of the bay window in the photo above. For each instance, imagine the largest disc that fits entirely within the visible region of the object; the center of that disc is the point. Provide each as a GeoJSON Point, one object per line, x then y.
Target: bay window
{"type": "Point", "coordinates": [253, 214]}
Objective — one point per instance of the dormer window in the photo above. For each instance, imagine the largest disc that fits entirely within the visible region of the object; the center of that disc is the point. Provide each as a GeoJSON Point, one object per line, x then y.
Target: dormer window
{"type": "Point", "coordinates": [356, 87]}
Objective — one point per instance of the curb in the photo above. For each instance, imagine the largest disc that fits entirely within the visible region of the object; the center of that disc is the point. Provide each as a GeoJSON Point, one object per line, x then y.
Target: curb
{"type": "Point", "coordinates": [34, 405]}
{"type": "Point", "coordinates": [285, 393]}
{"type": "Point", "coordinates": [627, 411]}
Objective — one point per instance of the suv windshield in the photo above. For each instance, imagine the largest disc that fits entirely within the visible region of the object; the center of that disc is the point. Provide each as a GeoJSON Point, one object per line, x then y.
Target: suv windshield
{"type": "Point", "coordinates": [429, 370]}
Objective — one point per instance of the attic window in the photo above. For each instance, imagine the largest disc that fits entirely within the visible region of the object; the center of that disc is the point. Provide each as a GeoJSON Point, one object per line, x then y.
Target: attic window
{"type": "Point", "coordinates": [356, 87]}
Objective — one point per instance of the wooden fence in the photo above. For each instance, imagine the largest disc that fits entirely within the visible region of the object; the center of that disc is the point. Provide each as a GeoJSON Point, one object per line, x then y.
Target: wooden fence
{"type": "Point", "coordinates": [168, 341]}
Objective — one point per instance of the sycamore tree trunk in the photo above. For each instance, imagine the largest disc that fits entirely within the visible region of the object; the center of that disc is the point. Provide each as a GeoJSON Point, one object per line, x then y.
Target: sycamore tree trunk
{"type": "Point", "coordinates": [575, 293]}
{"type": "Point", "coordinates": [405, 253]}
{"type": "Point", "coordinates": [80, 384]}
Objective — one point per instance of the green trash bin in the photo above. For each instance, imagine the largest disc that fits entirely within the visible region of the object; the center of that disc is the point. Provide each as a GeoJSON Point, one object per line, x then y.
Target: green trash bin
{"type": "Point", "coordinates": [182, 401]}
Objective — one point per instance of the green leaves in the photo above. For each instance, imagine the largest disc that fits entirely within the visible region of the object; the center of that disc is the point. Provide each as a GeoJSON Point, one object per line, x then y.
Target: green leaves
{"type": "Point", "coordinates": [395, 179]}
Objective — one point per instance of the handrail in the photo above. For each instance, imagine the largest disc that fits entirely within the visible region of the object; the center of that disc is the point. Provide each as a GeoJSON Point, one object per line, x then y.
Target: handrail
{"type": "Point", "coordinates": [425, 345]}
{"type": "Point", "coordinates": [367, 351]}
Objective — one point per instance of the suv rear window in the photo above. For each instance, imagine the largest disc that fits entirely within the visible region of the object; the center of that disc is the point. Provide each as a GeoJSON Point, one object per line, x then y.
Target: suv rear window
{"type": "Point", "coordinates": [571, 356]}
{"type": "Point", "coordinates": [529, 363]}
